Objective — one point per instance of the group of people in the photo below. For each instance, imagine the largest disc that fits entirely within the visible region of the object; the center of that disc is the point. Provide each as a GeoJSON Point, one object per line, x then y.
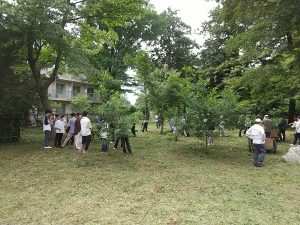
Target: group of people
{"type": "Point", "coordinates": [78, 129]}
{"type": "Point", "coordinates": [79, 132]}
{"type": "Point", "coordinates": [118, 134]}
{"type": "Point", "coordinates": [262, 130]}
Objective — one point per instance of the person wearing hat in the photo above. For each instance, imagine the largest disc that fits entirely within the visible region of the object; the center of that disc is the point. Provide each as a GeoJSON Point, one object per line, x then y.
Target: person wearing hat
{"type": "Point", "coordinates": [257, 134]}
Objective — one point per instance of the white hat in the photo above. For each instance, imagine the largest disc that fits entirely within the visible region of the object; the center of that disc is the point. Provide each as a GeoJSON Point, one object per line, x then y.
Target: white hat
{"type": "Point", "coordinates": [258, 120]}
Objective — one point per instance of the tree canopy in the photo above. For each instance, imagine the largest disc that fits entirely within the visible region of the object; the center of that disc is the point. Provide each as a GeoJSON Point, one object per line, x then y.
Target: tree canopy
{"type": "Point", "coordinates": [248, 63]}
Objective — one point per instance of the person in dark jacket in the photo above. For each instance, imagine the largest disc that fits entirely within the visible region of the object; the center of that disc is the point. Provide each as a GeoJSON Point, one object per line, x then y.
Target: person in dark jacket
{"type": "Point", "coordinates": [282, 126]}
{"type": "Point", "coordinates": [133, 130]}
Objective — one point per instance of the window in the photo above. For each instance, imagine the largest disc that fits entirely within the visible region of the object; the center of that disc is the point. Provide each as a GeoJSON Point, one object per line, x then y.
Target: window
{"type": "Point", "coordinates": [76, 90]}
{"type": "Point", "coordinates": [60, 90]}
{"type": "Point", "coordinates": [90, 92]}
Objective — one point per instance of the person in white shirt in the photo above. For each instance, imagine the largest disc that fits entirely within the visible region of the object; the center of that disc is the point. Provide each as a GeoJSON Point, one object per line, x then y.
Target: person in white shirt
{"type": "Point", "coordinates": [257, 134]}
{"type": "Point", "coordinates": [104, 135]}
{"type": "Point", "coordinates": [77, 137]}
{"type": "Point", "coordinates": [59, 130]}
{"type": "Point", "coordinates": [296, 125]}
{"type": "Point", "coordinates": [47, 128]}
{"type": "Point", "coordinates": [86, 132]}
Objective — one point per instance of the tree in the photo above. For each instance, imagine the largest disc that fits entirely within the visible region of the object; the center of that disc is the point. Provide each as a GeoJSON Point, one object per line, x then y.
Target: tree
{"type": "Point", "coordinates": [110, 60]}
{"type": "Point", "coordinates": [14, 101]}
{"type": "Point", "coordinates": [273, 33]}
{"type": "Point", "coordinates": [206, 106]}
{"type": "Point", "coordinates": [118, 112]}
{"type": "Point", "coordinates": [115, 108]}
{"type": "Point", "coordinates": [145, 68]}
{"type": "Point", "coordinates": [81, 103]}
{"type": "Point", "coordinates": [165, 91]}
{"type": "Point", "coordinates": [217, 64]}
{"type": "Point", "coordinates": [49, 31]}
{"type": "Point", "coordinates": [172, 47]}
{"type": "Point", "coordinates": [253, 44]}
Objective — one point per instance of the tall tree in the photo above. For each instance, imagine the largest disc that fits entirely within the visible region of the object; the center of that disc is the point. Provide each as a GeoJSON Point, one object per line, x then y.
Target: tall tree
{"type": "Point", "coordinates": [272, 32]}
{"type": "Point", "coordinates": [14, 73]}
{"type": "Point", "coordinates": [51, 30]}
{"type": "Point", "coordinates": [259, 45]}
{"type": "Point", "coordinates": [173, 47]}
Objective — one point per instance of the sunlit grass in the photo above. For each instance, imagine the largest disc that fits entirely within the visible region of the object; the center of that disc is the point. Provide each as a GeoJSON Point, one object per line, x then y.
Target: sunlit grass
{"type": "Point", "coordinates": [163, 182]}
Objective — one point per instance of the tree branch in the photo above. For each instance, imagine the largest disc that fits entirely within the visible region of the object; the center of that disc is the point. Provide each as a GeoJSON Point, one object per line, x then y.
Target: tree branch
{"type": "Point", "coordinates": [39, 49]}
{"type": "Point", "coordinates": [32, 62]}
{"type": "Point", "coordinates": [59, 54]}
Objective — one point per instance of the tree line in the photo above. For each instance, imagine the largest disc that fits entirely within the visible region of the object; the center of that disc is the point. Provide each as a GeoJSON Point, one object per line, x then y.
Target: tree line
{"type": "Point", "coordinates": [248, 64]}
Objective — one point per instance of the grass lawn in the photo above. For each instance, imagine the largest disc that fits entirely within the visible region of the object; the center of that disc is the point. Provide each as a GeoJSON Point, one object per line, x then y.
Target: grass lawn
{"type": "Point", "coordinates": [163, 182]}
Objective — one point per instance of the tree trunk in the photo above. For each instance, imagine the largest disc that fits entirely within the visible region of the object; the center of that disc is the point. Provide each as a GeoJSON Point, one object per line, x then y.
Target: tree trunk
{"type": "Point", "coordinates": [147, 111]}
{"type": "Point", "coordinates": [43, 94]}
{"type": "Point", "coordinates": [292, 102]}
{"type": "Point", "coordinates": [292, 110]}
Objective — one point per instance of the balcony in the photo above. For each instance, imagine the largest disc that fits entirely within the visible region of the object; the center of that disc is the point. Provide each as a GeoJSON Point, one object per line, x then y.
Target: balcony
{"type": "Point", "coordinates": [68, 95]}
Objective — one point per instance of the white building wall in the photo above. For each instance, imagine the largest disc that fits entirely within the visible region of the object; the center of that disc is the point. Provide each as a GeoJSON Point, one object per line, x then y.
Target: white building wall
{"type": "Point", "coordinates": [65, 98]}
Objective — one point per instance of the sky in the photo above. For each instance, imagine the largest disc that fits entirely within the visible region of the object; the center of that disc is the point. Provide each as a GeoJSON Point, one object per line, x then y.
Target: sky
{"type": "Point", "coordinates": [192, 12]}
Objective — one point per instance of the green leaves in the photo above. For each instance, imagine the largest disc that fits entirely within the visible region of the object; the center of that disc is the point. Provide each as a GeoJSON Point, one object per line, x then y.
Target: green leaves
{"type": "Point", "coordinates": [81, 103]}
{"type": "Point", "coordinates": [252, 49]}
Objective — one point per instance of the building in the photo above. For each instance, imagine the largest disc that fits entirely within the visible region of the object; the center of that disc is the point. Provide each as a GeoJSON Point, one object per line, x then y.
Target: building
{"type": "Point", "coordinates": [65, 87]}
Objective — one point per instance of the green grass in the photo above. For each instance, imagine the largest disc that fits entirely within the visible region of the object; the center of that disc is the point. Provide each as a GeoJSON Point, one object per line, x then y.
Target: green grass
{"type": "Point", "coordinates": [163, 182]}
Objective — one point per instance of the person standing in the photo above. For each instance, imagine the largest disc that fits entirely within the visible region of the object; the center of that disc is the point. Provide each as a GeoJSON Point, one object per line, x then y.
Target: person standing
{"type": "Point", "coordinates": [125, 144]}
{"type": "Point", "coordinates": [222, 127]}
{"type": "Point", "coordinates": [241, 124]}
{"type": "Point", "coordinates": [210, 131]}
{"type": "Point", "coordinates": [267, 125]}
{"type": "Point", "coordinates": [47, 128]}
{"type": "Point", "coordinates": [124, 132]}
{"type": "Point", "coordinates": [118, 138]}
{"type": "Point", "coordinates": [77, 134]}
{"type": "Point", "coordinates": [296, 125]}
{"type": "Point", "coordinates": [145, 126]}
{"type": "Point", "coordinates": [104, 135]}
{"type": "Point", "coordinates": [282, 125]}
{"type": "Point", "coordinates": [71, 132]}
{"type": "Point", "coordinates": [59, 127]}
{"type": "Point", "coordinates": [133, 130]}
{"type": "Point", "coordinates": [248, 124]}
{"type": "Point", "coordinates": [157, 121]}
{"type": "Point", "coordinates": [86, 132]}
{"type": "Point", "coordinates": [257, 134]}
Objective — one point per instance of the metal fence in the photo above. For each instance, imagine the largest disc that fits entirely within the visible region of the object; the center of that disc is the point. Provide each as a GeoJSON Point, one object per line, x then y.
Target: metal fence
{"type": "Point", "coordinates": [9, 129]}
